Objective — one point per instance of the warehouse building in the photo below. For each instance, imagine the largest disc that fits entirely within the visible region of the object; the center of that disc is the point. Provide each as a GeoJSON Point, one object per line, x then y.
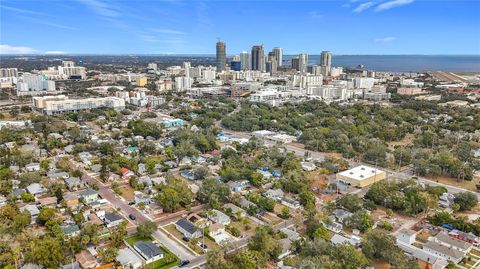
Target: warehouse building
{"type": "Point", "coordinates": [361, 176]}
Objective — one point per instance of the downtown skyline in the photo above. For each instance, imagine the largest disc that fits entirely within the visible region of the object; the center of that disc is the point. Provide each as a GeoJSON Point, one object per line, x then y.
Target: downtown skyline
{"type": "Point", "coordinates": [397, 27]}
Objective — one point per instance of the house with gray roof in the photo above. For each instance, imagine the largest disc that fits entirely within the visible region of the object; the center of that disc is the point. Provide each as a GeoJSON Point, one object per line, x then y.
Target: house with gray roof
{"type": "Point", "coordinates": [236, 211]}
{"type": "Point", "coordinates": [149, 251]}
{"type": "Point", "coordinates": [128, 259]}
{"type": "Point", "coordinates": [187, 228]}
{"type": "Point", "coordinates": [33, 210]}
{"type": "Point", "coordinates": [219, 217]}
{"type": "Point", "coordinates": [88, 196]}
{"type": "Point", "coordinates": [73, 183]}
{"type": "Point", "coordinates": [35, 189]}
{"type": "Point", "coordinates": [112, 219]}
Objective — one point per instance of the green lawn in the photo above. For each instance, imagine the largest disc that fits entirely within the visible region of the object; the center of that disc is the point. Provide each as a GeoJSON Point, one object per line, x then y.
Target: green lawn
{"type": "Point", "coordinates": [134, 239]}
{"type": "Point", "coordinates": [169, 260]}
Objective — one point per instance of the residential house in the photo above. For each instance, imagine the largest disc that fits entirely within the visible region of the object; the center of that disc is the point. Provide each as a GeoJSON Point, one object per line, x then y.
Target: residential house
{"type": "Point", "coordinates": [141, 198]}
{"type": "Point", "coordinates": [126, 174]}
{"type": "Point", "coordinates": [286, 248]}
{"type": "Point", "coordinates": [146, 181]}
{"type": "Point", "coordinates": [71, 230]}
{"type": "Point", "coordinates": [86, 260]}
{"type": "Point", "coordinates": [32, 167]}
{"type": "Point", "coordinates": [291, 203]}
{"type": "Point", "coordinates": [35, 189]}
{"type": "Point", "coordinates": [406, 236]}
{"type": "Point", "coordinates": [291, 234]}
{"type": "Point", "coordinates": [112, 219]}
{"type": "Point", "coordinates": [235, 210]}
{"type": "Point", "coordinates": [128, 259]}
{"type": "Point", "coordinates": [219, 217]}
{"type": "Point", "coordinates": [71, 200]}
{"type": "Point", "coordinates": [89, 196]}
{"type": "Point", "coordinates": [3, 200]}
{"type": "Point", "coordinates": [149, 251]}
{"type": "Point", "coordinates": [246, 204]}
{"type": "Point", "coordinates": [342, 214]}
{"type": "Point", "coordinates": [334, 226]}
{"type": "Point", "coordinates": [451, 242]}
{"type": "Point", "coordinates": [217, 232]}
{"type": "Point", "coordinates": [467, 237]}
{"type": "Point", "coordinates": [58, 174]}
{"type": "Point", "coordinates": [276, 194]}
{"type": "Point", "coordinates": [73, 183]}
{"type": "Point", "coordinates": [47, 202]}
{"type": "Point", "coordinates": [450, 254]}
{"type": "Point", "coordinates": [197, 220]}
{"type": "Point", "coordinates": [238, 186]}
{"type": "Point", "coordinates": [33, 210]}
{"type": "Point", "coordinates": [187, 228]}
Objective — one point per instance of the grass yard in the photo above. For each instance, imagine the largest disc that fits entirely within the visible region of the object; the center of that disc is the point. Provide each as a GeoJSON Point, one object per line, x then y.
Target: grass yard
{"type": "Point", "coordinates": [127, 192]}
{"type": "Point", "coordinates": [135, 238]}
{"type": "Point", "coordinates": [244, 227]}
{"type": "Point", "coordinates": [192, 243]}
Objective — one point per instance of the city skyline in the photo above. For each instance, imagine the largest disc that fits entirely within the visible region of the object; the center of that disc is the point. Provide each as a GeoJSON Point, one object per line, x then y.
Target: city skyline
{"type": "Point", "coordinates": [387, 27]}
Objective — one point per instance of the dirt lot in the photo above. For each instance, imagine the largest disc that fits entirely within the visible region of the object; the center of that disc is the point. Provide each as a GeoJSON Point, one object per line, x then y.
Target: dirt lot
{"type": "Point", "coordinates": [405, 141]}
{"type": "Point", "coordinates": [127, 192]}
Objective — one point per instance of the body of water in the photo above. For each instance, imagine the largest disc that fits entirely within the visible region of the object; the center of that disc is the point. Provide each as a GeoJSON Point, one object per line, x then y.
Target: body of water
{"type": "Point", "coordinates": [403, 63]}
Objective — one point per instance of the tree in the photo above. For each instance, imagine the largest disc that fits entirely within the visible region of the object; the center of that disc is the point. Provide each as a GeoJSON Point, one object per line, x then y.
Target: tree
{"type": "Point", "coordinates": [108, 254]}
{"type": "Point", "coordinates": [321, 232]}
{"type": "Point", "coordinates": [216, 260]}
{"type": "Point", "coordinates": [466, 200]}
{"type": "Point", "coordinates": [118, 234]}
{"type": "Point", "coordinates": [174, 194]}
{"type": "Point", "coordinates": [264, 241]}
{"type": "Point", "coordinates": [360, 220]}
{"type": "Point", "coordinates": [46, 214]}
{"type": "Point", "coordinates": [146, 229]}
{"type": "Point", "coordinates": [246, 260]}
{"type": "Point", "coordinates": [378, 244]}
{"type": "Point", "coordinates": [351, 202]}
{"type": "Point", "coordinates": [46, 251]}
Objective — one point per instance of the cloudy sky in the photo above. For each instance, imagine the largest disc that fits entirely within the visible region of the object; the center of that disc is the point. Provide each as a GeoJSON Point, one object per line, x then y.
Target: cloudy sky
{"type": "Point", "coordinates": [193, 26]}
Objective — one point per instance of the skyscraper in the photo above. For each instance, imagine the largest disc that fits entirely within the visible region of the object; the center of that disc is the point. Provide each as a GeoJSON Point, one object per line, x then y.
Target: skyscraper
{"type": "Point", "coordinates": [278, 52]}
{"type": "Point", "coordinates": [258, 58]}
{"type": "Point", "coordinates": [245, 60]}
{"type": "Point", "coordinates": [326, 59]}
{"type": "Point", "coordinates": [302, 63]}
{"type": "Point", "coordinates": [221, 56]}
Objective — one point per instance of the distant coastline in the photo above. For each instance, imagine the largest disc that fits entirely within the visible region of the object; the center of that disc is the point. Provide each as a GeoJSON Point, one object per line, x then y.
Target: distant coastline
{"type": "Point", "coordinates": [386, 63]}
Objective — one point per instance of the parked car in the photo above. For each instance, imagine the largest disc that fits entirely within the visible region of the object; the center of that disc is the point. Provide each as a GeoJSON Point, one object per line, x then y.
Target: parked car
{"type": "Point", "coordinates": [132, 217]}
{"type": "Point", "coordinates": [183, 263]}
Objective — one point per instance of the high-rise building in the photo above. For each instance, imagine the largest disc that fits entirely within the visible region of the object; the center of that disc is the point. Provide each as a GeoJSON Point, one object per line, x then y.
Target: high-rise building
{"type": "Point", "coordinates": [278, 52]}
{"type": "Point", "coordinates": [326, 59]}
{"type": "Point", "coordinates": [236, 58]}
{"type": "Point", "coordinates": [8, 72]}
{"type": "Point", "coordinates": [34, 85]}
{"type": "Point", "coordinates": [302, 63]}
{"type": "Point", "coordinates": [258, 58]}
{"type": "Point", "coordinates": [221, 56]}
{"type": "Point", "coordinates": [152, 66]}
{"type": "Point", "coordinates": [245, 60]}
{"type": "Point", "coordinates": [296, 63]}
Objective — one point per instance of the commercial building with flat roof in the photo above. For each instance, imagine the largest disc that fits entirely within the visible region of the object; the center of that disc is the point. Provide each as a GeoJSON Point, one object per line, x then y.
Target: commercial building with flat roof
{"type": "Point", "coordinates": [361, 176]}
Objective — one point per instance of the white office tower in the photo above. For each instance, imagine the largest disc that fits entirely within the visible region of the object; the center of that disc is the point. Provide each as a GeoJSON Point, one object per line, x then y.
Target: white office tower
{"type": "Point", "coordinates": [305, 81]}
{"type": "Point", "coordinates": [8, 72]}
{"type": "Point", "coordinates": [236, 58]}
{"type": "Point", "coordinates": [34, 85]}
{"type": "Point", "coordinates": [60, 103]}
{"type": "Point", "coordinates": [363, 83]}
{"type": "Point", "coordinates": [209, 74]}
{"type": "Point", "coordinates": [278, 52]}
{"type": "Point", "coordinates": [245, 61]}
{"type": "Point", "coordinates": [316, 70]}
{"type": "Point", "coordinates": [68, 64]}
{"type": "Point", "coordinates": [152, 66]}
{"type": "Point", "coordinates": [302, 63]}
{"type": "Point", "coordinates": [326, 62]}
{"type": "Point", "coordinates": [68, 69]}
{"type": "Point", "coordinates": [329, 93]}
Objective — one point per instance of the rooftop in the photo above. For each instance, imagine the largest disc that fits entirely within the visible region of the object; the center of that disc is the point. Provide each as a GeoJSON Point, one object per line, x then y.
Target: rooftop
{"type": "Point", "coordinates": [361, 172]}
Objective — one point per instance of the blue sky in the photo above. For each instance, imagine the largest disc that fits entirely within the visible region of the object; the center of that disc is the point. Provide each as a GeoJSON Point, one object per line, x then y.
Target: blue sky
{"type": "Point", "coordinates": [193, 26]}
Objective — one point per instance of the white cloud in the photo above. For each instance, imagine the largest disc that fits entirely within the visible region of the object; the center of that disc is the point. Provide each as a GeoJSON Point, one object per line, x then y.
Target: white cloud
{"type": "Point", "coordinates": [385, 39]}
{"type": "Point", "coordinates": [101, 8]}
{"type": "Point", "coordinates": [168, 31]}
{"type": "Point", "coordinates": [55, 52]}
{"type": "Point", "coordinates": [393, 4]}
{"type": "Point", "coordinates": [363, 6]}
{"type": "Point", "coordinates": [7, 49]}
{"type": "Point", "coordinates": [315, 15]}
